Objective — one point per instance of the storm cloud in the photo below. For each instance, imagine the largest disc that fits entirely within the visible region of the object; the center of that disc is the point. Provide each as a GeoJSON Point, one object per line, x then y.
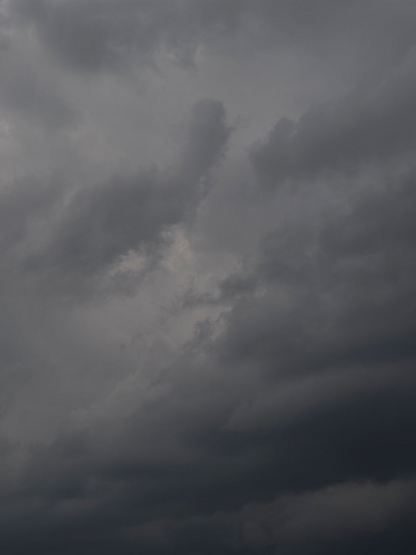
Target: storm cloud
{"type": "Point", "coordinates": [207, 271]}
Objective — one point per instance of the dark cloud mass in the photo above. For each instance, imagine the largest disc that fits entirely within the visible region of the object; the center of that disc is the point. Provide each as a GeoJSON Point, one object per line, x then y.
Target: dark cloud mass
{"type": "Point", "coordinates": [207, 271]}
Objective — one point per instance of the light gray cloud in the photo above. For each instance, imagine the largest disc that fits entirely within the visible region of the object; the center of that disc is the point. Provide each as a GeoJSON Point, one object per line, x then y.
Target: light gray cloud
{"type": "Point", "coordinates": [103, 224]}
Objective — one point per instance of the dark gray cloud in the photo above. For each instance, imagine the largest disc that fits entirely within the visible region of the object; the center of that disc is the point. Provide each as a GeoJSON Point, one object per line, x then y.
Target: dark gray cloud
{"type": "Point", "coordinates": [370, 127]}
{"type": "Point", "coordinates": [120, 33]}
{"type": "Point", "coordinates": [131, 31]}
{"type": "Point", "coordinates": [105, 223]}
{"type": "Point", "coordinates": [207, 306]}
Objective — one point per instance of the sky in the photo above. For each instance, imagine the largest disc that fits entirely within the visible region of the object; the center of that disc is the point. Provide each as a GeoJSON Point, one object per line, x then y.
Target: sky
{"type": "Point", "coordinates": [207, 277]}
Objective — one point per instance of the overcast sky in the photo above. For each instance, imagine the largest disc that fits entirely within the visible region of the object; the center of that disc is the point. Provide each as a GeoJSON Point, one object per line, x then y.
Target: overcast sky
{"type": "Point", "coordinates": [207, 277]}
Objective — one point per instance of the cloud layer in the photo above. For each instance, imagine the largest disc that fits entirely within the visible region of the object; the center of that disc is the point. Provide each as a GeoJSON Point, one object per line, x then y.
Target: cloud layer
{"type": "Point", "coordinates": [207, 238]}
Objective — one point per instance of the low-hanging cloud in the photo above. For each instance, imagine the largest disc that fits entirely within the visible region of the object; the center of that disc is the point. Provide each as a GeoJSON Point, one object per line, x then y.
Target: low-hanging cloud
{"type": "Point", "coordinates": [207, 292]}
{"type": "Point", "coordinates": [369, 127]}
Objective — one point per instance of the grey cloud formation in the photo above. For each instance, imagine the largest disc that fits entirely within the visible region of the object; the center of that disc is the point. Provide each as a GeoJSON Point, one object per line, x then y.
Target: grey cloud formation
{"type": "Point", "coordinates": [369, 127]}
{"type": "Point", "coordinates": [126, 32]}
{"type": "Point", "coordinates": [91, 39]}
{"type": "Point", "coordinates": [207, 305]}
{"type": "Point", "coordinates": [128, 214]}
{"type": "Point", "coordinates": [23, 92]}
